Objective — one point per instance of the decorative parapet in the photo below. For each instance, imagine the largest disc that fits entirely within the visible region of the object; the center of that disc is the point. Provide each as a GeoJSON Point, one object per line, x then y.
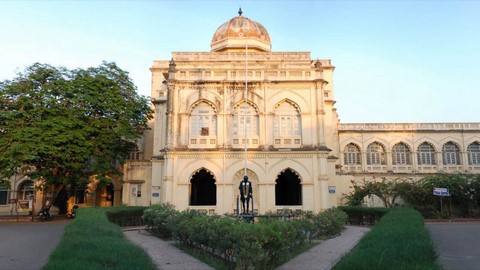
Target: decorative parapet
{"type": "Point", "coordinates": [370, 127]}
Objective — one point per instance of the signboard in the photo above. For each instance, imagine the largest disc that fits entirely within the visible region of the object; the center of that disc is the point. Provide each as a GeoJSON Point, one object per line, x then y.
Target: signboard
{"type": "Point", "coordinates": [155, 194]}
{"type": "Point", "coordinates": [23, 205]}
{"type": "Point", "coordinates": [441, 192]}
{"type": "Point", "coordinates": [332, 189]}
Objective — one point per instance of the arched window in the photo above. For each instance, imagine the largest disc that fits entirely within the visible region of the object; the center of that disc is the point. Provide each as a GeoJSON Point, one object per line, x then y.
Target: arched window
{"type": "Point", "coordinates": [400, 154]}
{"type": "Point", "coordinates": [426, 154]}
{"type": "Point", "coordinates": [203, 125]}
{"type": "Point", "coordinates": [288, 190]}
{"type": "Point", "coordinates": [375, 154]}
{"type": "Point", "coordinates": [473, 153]}
{"type": "Point", "coordinates": [25, 190]}
{"type": "Point", "coordinates": [351, 155]}
{"type": "Point", "coordinates": [203, 190]}
{"type": "Point", "coordinates": [451, 154]}
{"type": "Point", "coordinates": [286, 125]}
{"type": "Point", "coordinates": [245, 124]}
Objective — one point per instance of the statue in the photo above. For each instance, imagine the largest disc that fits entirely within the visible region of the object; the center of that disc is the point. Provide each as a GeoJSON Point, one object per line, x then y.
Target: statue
{"type": "Point", "coordinates": [245, 194]}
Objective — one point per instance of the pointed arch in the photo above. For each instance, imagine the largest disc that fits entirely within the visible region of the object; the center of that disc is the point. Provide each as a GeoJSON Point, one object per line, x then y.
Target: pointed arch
{"type": "Point", "coordinates": [401, 154]}
{"type": "Point", "coordinates": [245, 124]}
{"type": "Point", "coordinates": [473, 151]}
{"type": "Point", "coordinates": [376, 154]}
{"type": "Point", "coordinates": [288, 188]}
{"type": "Point", "coordinates": [352, 154]}
{"type": "Point", "coordinates": [451, 153]}
{"type": "Point", "coordinates": [203, 189]}
{"type": "Point", "coordinates": [426, 154]}
{"type": "Point", "coordinates": [287, 130]}
{"type": "Point", "coordinates": [203, 124]}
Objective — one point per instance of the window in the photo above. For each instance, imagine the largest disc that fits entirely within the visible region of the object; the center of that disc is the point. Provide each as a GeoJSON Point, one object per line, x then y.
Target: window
{"type": "Point", "coordinates": [473, 153]}
{"type": "Point", "coordinates": [426, 154]}
{"type": "Point", "coordinates": [375, 154]}
{"type": "Point", "coordinates": [245, 121]}
{"type": "Point", "coordinates": [451, 154]}
{"type": "Point", "coordinates": [136, 191]}
{"type": "Point", "coordinates": [25, 190]}
{"type": "Point", "coordinates": [203, 124]}
{"type": "Point", "coordinates": [3, 193]}
{"type": "Point", "coordinates": [133, 152]}
{"type": "Point", "coordinates": [351, 154]}
{"type": "Point", "coordinates": [286, 124]}
{"type": "Point", "coordinates": [400, 154]}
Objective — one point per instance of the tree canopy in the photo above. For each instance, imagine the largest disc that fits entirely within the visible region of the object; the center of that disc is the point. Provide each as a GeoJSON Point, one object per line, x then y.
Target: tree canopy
{"type": "Point", "coordinates": [66, 125]}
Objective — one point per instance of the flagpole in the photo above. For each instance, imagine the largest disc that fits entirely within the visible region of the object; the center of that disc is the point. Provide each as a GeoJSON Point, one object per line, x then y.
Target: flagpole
{"type": "Point", "coordinates": [246, 107]}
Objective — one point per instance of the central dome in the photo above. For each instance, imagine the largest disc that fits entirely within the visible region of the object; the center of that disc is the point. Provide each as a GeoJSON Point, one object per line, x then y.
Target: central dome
{"type": "Point", "coordinates": [239, 32]}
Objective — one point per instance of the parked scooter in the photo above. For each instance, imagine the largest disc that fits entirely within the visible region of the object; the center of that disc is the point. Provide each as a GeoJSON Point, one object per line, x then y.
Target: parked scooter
{"type": "Point", "coordinates": [44, 213]}
{"type": "Point", "coordinates": [72, 212]}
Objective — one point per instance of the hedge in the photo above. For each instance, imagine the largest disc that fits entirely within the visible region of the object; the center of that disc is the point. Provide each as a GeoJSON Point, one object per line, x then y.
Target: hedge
{"type": "Point", "coordinates": [359, 215]}
{"type": "Point", "coordinates": [246, 246]}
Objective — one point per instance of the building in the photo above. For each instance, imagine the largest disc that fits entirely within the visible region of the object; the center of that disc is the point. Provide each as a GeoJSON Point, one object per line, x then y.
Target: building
{"type": "Point", "coordinates": [211, 106]}
{"type": "Point", "coordinates": [279, 106]}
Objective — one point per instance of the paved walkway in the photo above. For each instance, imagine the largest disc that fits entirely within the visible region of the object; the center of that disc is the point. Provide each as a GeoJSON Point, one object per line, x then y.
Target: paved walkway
{"type": "Point", "coordinates": [321, 257]}
{"type": "Point", "coordinates": [457, 244]}
{"type": "Point", "coordinates": [27, 245]}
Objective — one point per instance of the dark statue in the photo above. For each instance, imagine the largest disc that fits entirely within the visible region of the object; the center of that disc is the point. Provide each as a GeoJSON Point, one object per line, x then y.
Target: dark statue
{"type": "Point", "coordinates": [245, 194]}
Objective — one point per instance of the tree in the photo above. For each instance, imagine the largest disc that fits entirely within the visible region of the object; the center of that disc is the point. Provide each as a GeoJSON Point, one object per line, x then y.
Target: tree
{"type": "Point", "coordinates": [387, 190]}
{"type": "Point", "coordinates": [67, 125]}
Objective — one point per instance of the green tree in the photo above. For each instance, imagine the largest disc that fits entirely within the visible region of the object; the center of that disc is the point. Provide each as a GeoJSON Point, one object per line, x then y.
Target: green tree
{"type": "Point", "coordinates": [386, 189]}
{"type": "Point", "coordinates": [67, 125]}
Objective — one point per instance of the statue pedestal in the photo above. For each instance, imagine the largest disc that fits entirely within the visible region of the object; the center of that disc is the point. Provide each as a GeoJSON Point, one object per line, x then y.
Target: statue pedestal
{"type": "Point", "coordinates": [248, 217]}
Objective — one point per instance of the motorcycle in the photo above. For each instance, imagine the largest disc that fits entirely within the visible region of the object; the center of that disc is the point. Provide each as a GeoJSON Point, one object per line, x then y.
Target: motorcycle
{"type": "Point", "coordinates": [72, 212]}
{"type": "Point", "coordinates": [44, 213]}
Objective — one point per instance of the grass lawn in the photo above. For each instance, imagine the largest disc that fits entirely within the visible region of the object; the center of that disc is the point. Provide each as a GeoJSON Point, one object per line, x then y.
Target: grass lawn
{"type": "Point", "coordinates": [399, 241]}
{"type": "Point", "coordinates": [91, 241]}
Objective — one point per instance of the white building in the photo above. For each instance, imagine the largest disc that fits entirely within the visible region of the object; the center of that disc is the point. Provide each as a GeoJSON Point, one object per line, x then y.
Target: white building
{"type": "Point", "coordinates": [209, 106]}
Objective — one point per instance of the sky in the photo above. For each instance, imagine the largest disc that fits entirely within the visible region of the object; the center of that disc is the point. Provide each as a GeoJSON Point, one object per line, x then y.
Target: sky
{"type": "Point", "coordinates": [396, 61]}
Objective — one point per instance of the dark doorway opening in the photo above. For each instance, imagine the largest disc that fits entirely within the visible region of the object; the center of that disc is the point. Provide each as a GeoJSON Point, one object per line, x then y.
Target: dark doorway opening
{"type": "Point", "coordinates": [288, 190]}
{"type": "Point", "coordinates": [203, 190]}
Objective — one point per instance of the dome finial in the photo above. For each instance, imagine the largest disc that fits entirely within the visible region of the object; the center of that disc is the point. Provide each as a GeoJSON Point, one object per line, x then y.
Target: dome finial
{"type": "Point", "coordinates": [240, 11]}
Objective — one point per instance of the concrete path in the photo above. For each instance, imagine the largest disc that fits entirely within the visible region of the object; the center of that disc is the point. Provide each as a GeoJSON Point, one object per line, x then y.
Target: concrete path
{"type": "Point", "coordinates": [163, 253]}
{"type": "Point", "coordinates": [457, 244]}
{"type": "Point", "coordinates": [326, 254]}
{"type": "Point", "coordinates": [321, 257]}
{"type": "Point", "coordinates": [27, 245]}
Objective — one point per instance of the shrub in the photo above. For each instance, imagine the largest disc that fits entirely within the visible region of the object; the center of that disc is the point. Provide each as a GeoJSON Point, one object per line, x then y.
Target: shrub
{"type": "Point", "coordinates": [155, 218]}
{"type": "Point", "coordinates": [248, 246]}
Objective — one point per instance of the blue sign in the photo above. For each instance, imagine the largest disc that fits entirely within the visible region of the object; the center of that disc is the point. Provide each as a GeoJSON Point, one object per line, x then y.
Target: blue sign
{"type": "Point", "coordinates": [441, 192]}
{"type": "Point", "coordinates": [155, 194]}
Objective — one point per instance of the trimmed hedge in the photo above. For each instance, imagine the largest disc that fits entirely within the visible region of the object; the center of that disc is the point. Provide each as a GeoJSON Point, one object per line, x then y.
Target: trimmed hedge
{"type": "Point", "coordinates": [359, 215]}
{"type": "Point", "coordinates": [242, 245]}
{"type": "Point", "coordinates": [125, 216]}
{"type": "Point", "coordinates": [399, 241]}
{"type": "Point", "coordinates": [90, 241]}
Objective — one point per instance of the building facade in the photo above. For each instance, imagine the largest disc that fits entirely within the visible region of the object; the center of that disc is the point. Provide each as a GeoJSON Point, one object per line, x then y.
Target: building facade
{"type": "Point", "coordinates": [242, 109]}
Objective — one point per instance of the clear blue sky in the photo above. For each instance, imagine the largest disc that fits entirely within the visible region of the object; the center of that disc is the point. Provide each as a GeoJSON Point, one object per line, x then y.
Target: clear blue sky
{"type": "Point", "coordinates": [396, 61]}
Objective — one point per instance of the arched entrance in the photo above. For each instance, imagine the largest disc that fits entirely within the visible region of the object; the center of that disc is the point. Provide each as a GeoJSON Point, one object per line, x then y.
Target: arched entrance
{"type": "Point", "coordinates": [288, 190]}
{"type": "Point", "coordinates": [203, 190]}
